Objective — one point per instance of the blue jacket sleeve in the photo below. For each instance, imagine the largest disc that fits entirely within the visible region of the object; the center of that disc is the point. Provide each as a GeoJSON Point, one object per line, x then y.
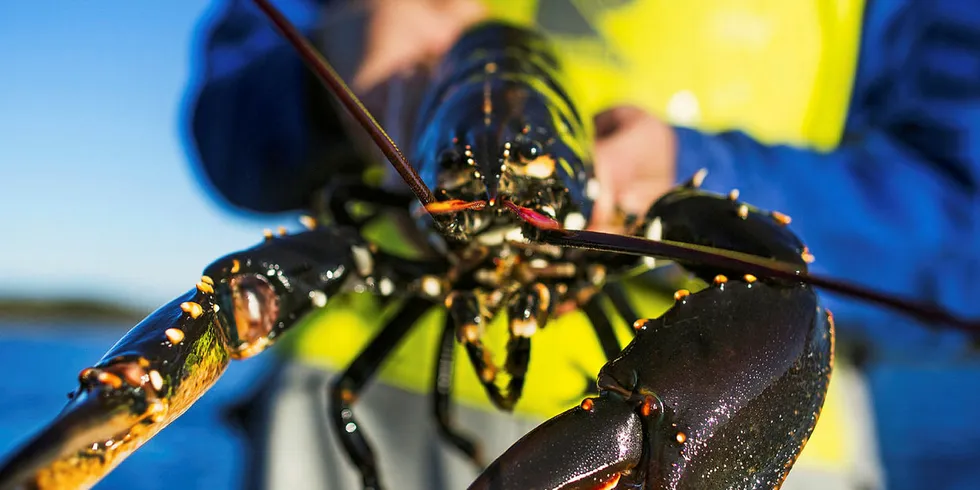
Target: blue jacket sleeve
{"type": "Point", "coordinates": [895, 206]}
{"type": "Point", "coordinates": [260, 123]}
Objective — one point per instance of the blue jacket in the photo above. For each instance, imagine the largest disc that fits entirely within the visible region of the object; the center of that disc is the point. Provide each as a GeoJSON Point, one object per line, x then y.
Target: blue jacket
{"type": "Point", "coordinates": [895, 207]}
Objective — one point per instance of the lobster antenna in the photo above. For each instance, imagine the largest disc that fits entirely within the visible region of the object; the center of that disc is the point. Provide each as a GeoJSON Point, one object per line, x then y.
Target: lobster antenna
{"type": "Point", "coordinates": [336, 85]}
{"type": "Point", "coordinates": [716, 257]}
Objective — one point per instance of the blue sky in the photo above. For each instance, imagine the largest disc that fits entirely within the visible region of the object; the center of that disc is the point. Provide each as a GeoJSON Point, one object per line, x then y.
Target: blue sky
{"type": "Point", "coordinates": [98, 196]}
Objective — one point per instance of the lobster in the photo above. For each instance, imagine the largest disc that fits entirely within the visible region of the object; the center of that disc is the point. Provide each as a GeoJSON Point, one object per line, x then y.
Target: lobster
{"type": "Point", "coordinates": [721, 391]}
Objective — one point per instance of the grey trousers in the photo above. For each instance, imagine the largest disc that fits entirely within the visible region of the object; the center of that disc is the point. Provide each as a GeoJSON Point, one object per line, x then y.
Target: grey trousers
{"type": "Point", "coordinates": [303, 452]}
{"type": "Point", "coordinates": [299, 450]}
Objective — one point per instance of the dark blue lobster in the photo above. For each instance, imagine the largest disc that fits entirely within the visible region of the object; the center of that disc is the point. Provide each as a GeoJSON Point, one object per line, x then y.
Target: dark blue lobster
{"type": "Point", "coordinates": [721, 391]}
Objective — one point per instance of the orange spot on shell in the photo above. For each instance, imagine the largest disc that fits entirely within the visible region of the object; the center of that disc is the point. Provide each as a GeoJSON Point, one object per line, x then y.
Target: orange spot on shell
{"type": "Point", "coordinates": [235, 266]}
{"type": "Point", "coordinates": [469, 333]}
{"type": "Point", "coordinates": [681, 437]}
{"type": "Point", "coordinates": [207, 280]}
{"type": "Point", "coordinates": [648, 405]}
{"type": "Point", "coordinates": [193, 309]}
{"type": "Point", "coordinates": [347, 396]}
{"type": "Point", "coordinates": [638, 325]}
{"type": "Point", "coordinates": [156, 380]}
{"type": "Point", "coordinates": [720, 279]}
{"type": "Point", "coordinates": [781, 218]}
{"type": "Point", "coordinates": [110, 379]}
{"type": "Point", "coordinates": [681, 294]}
{"type": "Point", "coordinates": [308, 222]}
{"type": "Point", "coordinates": [749, 278]}
{"type": "Point", "coordinates": [488, 375]}
{"type": "Point", "coordinates": [174, 335]}
{"type": "Point", "coordinates": [588, 405]}
{"type": "Point", "coordinates": [610, 483]}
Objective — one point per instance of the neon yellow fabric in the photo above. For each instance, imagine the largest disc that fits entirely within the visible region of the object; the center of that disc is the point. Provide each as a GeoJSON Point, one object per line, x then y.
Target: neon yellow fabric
{"type": "Point", "coordinates": [780, 70]}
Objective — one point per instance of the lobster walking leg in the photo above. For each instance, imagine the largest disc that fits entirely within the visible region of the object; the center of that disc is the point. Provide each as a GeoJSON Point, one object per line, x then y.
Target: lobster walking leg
{"type": "Point", "coordinates": [345, 390]}
{"type": "Point", "coordinates": [528, 310]}
{"type": "Point", "coordinates": [441, 396]}
{"type": "Point", "coordinates": [339, 197]}
{"type": "Point", "coordinates": [621, 302]}
{"type": "Point", "coordinates": [602, 326]}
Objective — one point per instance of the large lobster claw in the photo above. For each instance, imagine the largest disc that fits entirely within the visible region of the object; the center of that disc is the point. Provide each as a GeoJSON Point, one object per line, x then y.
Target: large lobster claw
{"type": "Point", "coordinates": [148, 379]}
{"type": "Point", "coordinates": [722, 391]}
{"type": "Point", "coordinates": [242, 304]}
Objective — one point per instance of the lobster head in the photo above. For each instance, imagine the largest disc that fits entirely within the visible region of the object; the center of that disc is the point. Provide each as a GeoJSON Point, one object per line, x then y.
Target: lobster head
{"type": "Point", "coordinates": [497, 137]}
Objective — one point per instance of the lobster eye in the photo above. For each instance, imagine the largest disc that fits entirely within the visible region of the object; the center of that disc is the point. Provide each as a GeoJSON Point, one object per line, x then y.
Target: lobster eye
{"type": "Point", "coordinates": [531, 150]}
{"type": "Point", "coordinates": [256, 307]}
{"type": "Point", "coordinates": [450, 158]}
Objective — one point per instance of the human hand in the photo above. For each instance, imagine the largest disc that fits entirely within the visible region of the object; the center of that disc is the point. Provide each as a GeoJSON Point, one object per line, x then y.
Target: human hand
{"type": "Point", "coordinates": [405, 34]}
{"type": "Point", "coordinates": [635, 164]}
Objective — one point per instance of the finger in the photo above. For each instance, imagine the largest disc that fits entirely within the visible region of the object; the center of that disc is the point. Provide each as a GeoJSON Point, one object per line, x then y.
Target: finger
{"type": "Point", "coordinates": [612, 121]}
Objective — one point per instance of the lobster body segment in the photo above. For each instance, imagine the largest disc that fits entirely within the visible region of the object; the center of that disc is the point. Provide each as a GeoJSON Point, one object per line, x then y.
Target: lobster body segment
{"type": "Point", "coordinates": [496, 126]}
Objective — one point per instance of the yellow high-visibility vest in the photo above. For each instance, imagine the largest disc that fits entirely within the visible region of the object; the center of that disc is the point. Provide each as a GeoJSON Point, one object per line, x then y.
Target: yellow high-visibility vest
{"type": "Point", "coordinates": [780, 70]}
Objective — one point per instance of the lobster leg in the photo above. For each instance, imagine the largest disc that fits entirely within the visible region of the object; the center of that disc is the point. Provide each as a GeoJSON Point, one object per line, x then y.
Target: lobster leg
{"type": "Point", "coordinates": [466, 312]}
{"type": "Point", "coordinates": [241, 306]}
{"type": "Point", "coordinates": [621, 302]}
{"type": "Point", "coordinates": [442, 390]}
{"type": "Point", "coordinates": [527, 312]}
{"type": "Point", "coordinates": [602, 326]}
{"type": "Point", "coordinates": [345, 390]}
{"type": "Point", "coordinates": [340, 195]}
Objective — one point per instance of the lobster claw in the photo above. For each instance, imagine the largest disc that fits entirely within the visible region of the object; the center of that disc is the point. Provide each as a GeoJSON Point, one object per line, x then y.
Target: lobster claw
{"type": "Point", "coordinates": [588, 447]}
{"type": "Point", "coordinates": [147, 380]}
{"type": "Point", "coordinates": [721, 391]}
{"type": "Point", "coordinates": [97, 415]}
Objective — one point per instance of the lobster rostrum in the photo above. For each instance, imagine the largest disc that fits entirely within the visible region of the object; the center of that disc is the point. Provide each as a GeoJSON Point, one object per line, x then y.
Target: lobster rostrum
{"type": "Point", "coordinates": [721, 391]}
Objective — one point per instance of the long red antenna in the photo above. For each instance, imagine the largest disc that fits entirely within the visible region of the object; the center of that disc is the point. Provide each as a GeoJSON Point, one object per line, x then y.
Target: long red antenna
{"type": "Point", "coordinates": [332, 80]}
{"type": "Point", "coordinates": [606, 242]}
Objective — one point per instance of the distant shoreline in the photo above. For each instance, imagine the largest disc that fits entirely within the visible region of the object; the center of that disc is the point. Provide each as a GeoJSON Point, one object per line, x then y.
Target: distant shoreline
{"type": "Point", "coordinates": [34, 310]}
